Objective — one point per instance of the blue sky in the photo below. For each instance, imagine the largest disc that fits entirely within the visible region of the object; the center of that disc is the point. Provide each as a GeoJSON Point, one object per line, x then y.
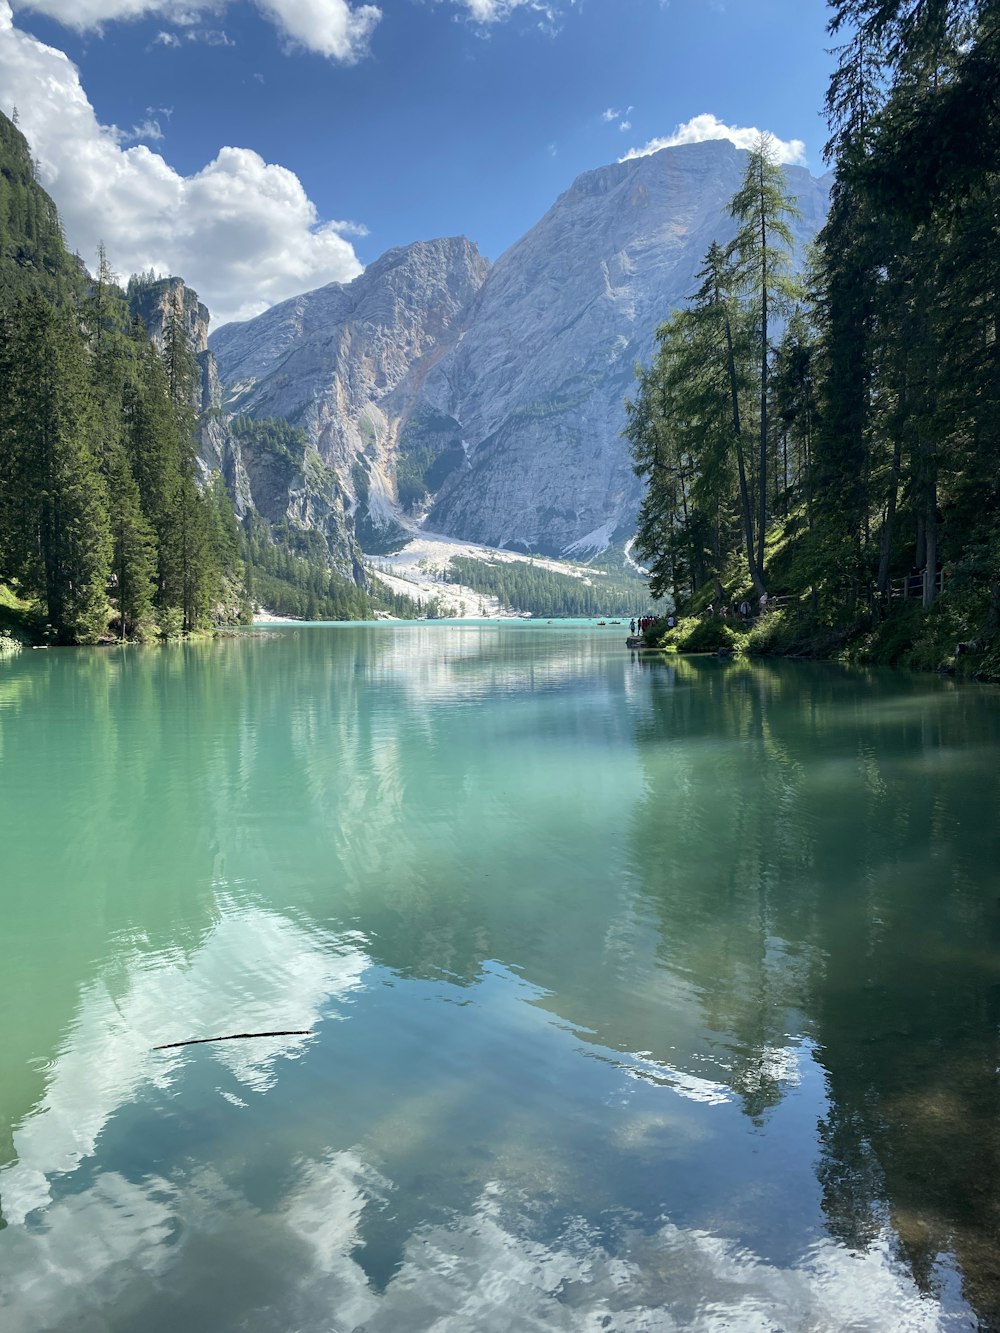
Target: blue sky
{"type": "Point", "coordinates": [412, 119]}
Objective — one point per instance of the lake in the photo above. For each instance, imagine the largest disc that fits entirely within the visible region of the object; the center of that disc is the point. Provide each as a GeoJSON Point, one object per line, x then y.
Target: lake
{"type": "Point", "coordinates": [639, 995]}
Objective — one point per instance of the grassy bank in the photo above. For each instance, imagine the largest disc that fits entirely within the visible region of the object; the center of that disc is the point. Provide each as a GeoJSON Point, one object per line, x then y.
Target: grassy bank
{"type": "Point", "coordinates": [952, 636]}
{"type": "Point", "coordinates": [21, 623]}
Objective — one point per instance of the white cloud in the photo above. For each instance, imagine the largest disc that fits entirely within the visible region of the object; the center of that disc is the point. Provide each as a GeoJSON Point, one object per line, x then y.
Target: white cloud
{"type": "Point", "coordinates": [85, 14]}
{"type": "Point", "coordinates": [493, 11]}
{"type": "Point", "coordinates": [612, 114]}
{"type": "Point", "coordinates": [166, 39]}
{"type": "Point", "coordinates": [333, 28]}
{"type": "Point", "coordinates": [706, 126]}
{"type": "Point", "coordinates": [242, 232]}
{"type": "Point", "coordinates": [210, 37]}
{"type": "Point", "coordinates": [149, 129]}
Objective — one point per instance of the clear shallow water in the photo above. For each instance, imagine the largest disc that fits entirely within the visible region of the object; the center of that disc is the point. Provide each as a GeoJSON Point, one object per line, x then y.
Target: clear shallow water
{"type": "Point", "coordinates": [642, 996]}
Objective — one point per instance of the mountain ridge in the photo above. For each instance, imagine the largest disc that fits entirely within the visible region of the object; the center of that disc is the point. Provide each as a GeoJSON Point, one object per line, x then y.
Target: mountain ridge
{"type": "Point", "coordinates": [488, 400]}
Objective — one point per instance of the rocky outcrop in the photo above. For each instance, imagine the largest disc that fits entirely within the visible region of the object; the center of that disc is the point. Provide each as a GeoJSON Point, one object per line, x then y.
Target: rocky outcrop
{"type": "Point", "coordinates": [307, 495]}
{"type": "Point", "coordinates": [489, 403]}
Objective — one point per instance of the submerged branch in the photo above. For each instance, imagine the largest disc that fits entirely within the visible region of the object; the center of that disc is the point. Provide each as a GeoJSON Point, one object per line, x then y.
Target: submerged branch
{"type": "Point", "coordinates": [234, 1036]}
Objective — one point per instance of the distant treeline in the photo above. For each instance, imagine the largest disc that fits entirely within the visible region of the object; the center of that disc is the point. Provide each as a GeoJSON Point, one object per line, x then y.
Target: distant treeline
{"type": "Point", "coordinates": [289, 573]}
{"type": "Point", "coordinates": [528, 587]}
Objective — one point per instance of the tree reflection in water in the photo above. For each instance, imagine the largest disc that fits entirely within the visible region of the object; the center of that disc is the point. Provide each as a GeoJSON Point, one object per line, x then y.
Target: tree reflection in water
{"type": "Point", "coordinates": [830, 871]}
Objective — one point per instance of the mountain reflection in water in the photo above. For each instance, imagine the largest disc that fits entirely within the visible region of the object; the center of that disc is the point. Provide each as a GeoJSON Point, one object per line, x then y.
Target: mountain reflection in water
{"type": "Point", "coordinates": [644, 995]}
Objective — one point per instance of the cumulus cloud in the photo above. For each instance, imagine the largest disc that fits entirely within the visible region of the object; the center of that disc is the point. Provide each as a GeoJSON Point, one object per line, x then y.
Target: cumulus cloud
{"type": "Point", "coordinates": [330, 27]}
{"type": "Point", "coordinates": [242, 231]}
{"type": "Point", "coordinates": [334, 28]}
{"type": "Point", "coordinates": [700, 128]}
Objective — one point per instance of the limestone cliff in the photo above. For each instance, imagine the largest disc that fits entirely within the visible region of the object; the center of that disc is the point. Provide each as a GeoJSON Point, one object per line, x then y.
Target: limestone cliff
{"type": "Point", "coordinates": [346, 363]}
{"type": "Point", "coordinates": [539, 381]}
{"type": "Point", "coordinates": [307, 496]}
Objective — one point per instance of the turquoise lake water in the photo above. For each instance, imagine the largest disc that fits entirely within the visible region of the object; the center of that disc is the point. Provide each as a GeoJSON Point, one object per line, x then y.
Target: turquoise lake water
{"type": "Point", "coordinates": [641, 995]}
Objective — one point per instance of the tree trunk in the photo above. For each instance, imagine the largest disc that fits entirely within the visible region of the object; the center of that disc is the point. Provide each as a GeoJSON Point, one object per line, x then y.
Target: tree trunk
{"type": "Point", "coordinates": [885, 553]}
{"type": "Point", "coordinates": [930, 568]}
{"type": "Point", "coordinates": [762, 497]}
{"type": "Point", "coordinates": [756, 575]}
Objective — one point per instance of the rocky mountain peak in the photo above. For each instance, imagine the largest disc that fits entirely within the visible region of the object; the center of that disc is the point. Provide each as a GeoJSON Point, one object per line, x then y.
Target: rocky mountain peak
{"type": "Point", "coordinates": [489, 402]}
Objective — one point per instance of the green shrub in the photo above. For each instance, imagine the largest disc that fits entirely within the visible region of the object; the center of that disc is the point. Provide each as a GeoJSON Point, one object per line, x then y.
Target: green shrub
{"type": "Point", "coordinates": [171, 622]}
{"type": "Point", "coordinates": [781, 632]}
{"type": "Point", "coordinates": [708, 636]}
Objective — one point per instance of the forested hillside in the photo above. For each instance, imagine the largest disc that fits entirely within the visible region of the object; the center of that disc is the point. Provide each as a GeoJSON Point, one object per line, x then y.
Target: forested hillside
{"type": "Point", "coordinates": [103, 525]}
{"type": "Point", "coordinates": [525, 586]}
{"type": "Point", "coordinates": [108, 525]}
{"type": "Point", "coordinates": [33, 255]}
{"type": "Point", "coordinates": [835, 436]}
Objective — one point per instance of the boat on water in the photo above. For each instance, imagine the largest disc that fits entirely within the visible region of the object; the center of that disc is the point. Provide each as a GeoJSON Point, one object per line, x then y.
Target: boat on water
{"type": "Point", "coordinates": [600, 623]}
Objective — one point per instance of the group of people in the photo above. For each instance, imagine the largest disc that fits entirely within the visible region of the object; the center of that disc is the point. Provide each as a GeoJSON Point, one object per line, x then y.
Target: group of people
{"type": "Point", "coordinates": [744, 610]}
{"type": "Point", "coordinates": [639, 624]}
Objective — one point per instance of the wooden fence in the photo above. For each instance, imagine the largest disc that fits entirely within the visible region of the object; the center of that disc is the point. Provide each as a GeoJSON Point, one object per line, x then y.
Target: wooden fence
{"type": "Point", "coordinates": [910, 587]}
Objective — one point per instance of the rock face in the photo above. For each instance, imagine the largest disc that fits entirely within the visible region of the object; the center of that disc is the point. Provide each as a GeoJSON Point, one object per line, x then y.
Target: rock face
{"type": "Point", "coordinates": [308, 496]}
{"type": "Point", "coordinates": [540, 379]}
{"type": "Point", "coordinates": [489, 403]}
{"type": "Point", "coordinates": [346, 363]}
{"type": "Point", "coordinates": [156, 303]}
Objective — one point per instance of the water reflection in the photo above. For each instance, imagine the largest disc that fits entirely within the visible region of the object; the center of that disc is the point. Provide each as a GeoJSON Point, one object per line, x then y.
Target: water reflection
{"type": "Point", "coordinates": [590, 948]}
{"type": "Point", "coordinates": [385, 1212]}
{"type": "Point", "coordinates": [848, 893]}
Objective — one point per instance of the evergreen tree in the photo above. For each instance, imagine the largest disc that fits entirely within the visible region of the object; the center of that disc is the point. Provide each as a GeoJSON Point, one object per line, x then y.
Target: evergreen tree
{"type": "Point", "coordinates": [134, 549]}
{"type": "Point", "coordinates": [762, 254]}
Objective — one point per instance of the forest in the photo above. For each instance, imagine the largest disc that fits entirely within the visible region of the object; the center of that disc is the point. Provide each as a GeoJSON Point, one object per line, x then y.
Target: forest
{"type": "Point", "coordinates": [833, 436]}
{"type": "Point", "coordinates": [525, 586]}
{"type": "Point", "coordinates": [109, 528]}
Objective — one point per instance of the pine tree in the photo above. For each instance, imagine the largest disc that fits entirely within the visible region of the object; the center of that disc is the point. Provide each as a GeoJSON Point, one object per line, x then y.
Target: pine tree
{"type": "Point", "coordinates": [762, 254]}
{"type": "Point", "coordinates": [134, 549]}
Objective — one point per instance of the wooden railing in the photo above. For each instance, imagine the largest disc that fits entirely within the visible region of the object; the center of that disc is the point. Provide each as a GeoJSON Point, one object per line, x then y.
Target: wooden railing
{"type": "Point", "coordinates": [910, 587]}
{"type": "Point", "coordinates": [913, 585]}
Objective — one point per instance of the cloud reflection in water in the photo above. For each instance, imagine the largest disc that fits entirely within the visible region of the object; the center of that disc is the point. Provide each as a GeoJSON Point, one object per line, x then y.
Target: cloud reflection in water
{"type": "Point", "coordinates": [98, 1250]}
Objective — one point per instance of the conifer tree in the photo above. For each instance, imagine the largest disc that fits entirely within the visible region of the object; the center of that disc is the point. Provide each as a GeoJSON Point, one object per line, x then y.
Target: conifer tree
{"type": "Point", "coordinates": [134, 549]}
{"type": "Point", "coordinates": [762, 254]}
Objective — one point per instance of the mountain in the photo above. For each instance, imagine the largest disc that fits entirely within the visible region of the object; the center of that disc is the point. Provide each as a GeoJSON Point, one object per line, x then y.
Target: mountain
{"type": "Point", "coordinates": [346, 362]}
{"type": "Point", "coordinates": [488, 403]}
